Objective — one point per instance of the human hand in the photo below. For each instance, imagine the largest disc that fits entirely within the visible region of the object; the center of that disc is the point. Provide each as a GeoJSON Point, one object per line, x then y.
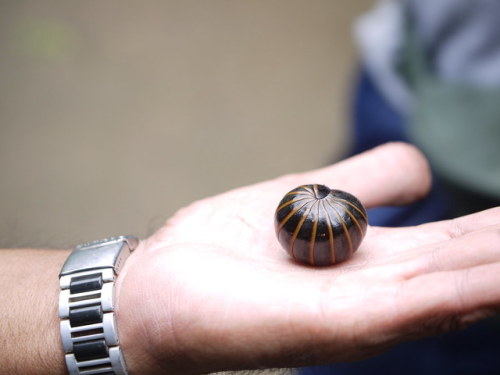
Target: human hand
{"type": "Point", "coordinates": [213, 290]}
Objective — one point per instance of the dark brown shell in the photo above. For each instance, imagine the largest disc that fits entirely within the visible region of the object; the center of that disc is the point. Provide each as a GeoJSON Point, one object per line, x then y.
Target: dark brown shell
{"type": "Point", "coordinates": [320, 226]}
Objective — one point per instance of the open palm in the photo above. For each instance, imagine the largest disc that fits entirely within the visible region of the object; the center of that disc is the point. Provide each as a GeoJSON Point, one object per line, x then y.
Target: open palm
{"type": "Point", "coordinates": [213, 290]}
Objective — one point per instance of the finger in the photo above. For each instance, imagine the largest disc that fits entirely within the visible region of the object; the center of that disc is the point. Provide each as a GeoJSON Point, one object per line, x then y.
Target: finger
{"type": "Point", "coordinates": [465, 224]}
{"type": "Point", "coordinates": [446, 301]}
{"type": "Point", "coordinates": [395, 173]}
{"type": "Point", "coordinates": [431, 233]}
{"type": "Point", "coordinates": [473, 249]}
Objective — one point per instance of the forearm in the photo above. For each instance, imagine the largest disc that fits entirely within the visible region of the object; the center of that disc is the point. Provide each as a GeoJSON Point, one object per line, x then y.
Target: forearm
{"type": "Point", "coordinates": [29, 323]}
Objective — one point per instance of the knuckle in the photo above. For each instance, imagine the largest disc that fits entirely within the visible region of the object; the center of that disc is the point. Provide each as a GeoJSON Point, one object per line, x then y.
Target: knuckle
{"type": "Point", "coordinates": [455, 229]}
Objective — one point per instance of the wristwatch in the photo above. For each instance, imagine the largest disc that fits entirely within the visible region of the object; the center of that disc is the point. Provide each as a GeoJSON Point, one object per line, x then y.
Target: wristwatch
{"type": "Point", "coordinates": [86, 306]}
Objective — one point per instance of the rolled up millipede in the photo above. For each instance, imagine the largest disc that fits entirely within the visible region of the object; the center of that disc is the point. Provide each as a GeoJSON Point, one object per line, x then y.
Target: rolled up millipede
{"type": "Point", "coordinates": [320, 226]}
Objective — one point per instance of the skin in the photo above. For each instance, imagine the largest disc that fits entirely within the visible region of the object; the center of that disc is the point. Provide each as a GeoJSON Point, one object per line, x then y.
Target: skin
{"type": "Point", "coordinates": [212, 289]}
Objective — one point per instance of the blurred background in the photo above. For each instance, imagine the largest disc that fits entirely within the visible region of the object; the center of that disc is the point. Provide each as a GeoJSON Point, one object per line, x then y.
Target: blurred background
{"type": "Point", "coordinates": [115, 114]}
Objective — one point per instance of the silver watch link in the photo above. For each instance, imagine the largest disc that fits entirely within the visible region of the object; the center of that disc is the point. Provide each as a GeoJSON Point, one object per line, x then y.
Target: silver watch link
{"type": "Point", "coordinates": [87, 303]}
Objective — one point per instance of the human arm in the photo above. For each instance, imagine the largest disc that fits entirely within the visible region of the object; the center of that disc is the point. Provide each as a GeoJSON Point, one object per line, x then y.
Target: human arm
{"type": "Point", "coordinates": [29, 323]}
{"type": "Point", "coordinates": [212, 289]}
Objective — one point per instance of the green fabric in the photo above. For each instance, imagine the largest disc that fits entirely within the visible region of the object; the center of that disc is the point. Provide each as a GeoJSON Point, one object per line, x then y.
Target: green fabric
{"type": "Point", "coordinates": [456, 125]}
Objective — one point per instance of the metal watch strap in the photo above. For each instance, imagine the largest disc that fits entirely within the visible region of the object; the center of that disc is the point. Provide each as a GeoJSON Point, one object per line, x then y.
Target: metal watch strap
{"type": "Point", "coordinates": [86, 306]}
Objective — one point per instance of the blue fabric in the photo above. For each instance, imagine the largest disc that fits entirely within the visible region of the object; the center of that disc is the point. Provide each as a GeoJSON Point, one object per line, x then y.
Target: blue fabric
{"type": "Point", "coordinates": [473, 351]}
{"type": "Point", "coordinates": [375, 122]}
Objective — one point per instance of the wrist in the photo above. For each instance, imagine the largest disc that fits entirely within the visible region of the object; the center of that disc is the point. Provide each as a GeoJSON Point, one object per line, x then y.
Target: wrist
{"type": "Point", "coordinates": [137, 346]}
{"type": "Point", "coordinates": [151, 314]}
{"type": "Point", "coordinates": [29, 321]}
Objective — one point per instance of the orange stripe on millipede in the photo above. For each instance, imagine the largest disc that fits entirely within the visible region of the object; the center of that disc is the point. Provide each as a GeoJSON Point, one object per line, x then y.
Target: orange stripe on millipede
{"type": "Point", "coordinates": [330, 234]}
{"type": "Point", "coordinates": [297, 192]}
{"type": "Point", "coordinates": [353, 218]}
{"type": "Point", "coordinates": [345, 228]}
{"type": "Point", "coordinates": [290, 202]}
{"type": "Point", "coordinates": [307, 188]}
{"type": "Point", "coordinates": [284, 221]}
{"type": "Point", "coordinates": [356, 221]}
{"type": "Point", "coordinates": [312, 241]}
{"type": "Point", "coordinates": [296, 231]}
{"type": "Point", "coordinates": [315, 190]}
{"type": "Point", "coordinates": [361, 212]}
